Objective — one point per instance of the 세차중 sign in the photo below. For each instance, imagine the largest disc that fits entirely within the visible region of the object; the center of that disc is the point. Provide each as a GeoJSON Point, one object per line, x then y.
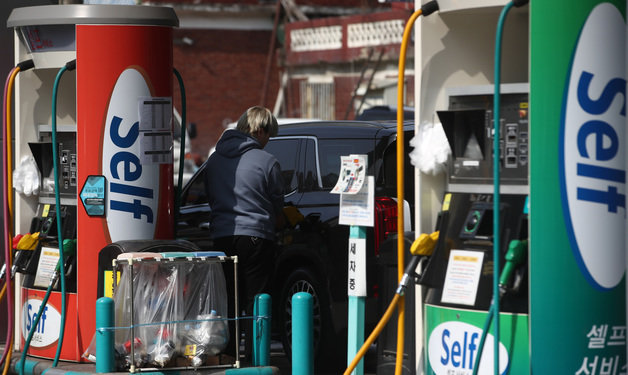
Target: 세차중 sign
{"type": "Point", "coordinates": [357, 267]}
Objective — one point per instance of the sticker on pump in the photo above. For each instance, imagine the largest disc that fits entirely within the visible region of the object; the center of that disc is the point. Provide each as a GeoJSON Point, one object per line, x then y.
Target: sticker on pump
{"type": "Point", "coordinates": [462, 277]}
{"type": "Point", "coordinates": [48, 260]}
{"type": "Point", "coordinates": [93, 195]}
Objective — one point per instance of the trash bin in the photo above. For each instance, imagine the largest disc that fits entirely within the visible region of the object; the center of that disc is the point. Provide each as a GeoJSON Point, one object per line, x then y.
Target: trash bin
{"type": "Point", "coordinates": [108, 253]}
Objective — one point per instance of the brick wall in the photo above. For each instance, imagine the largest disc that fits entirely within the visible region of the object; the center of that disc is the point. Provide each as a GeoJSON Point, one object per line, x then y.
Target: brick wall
{"type": "Point", "coordinates": [344, 89]}
{"type": "Point", "coordinates": [293, 98]}
{"type": "Point", "coordinates": [223, 72]}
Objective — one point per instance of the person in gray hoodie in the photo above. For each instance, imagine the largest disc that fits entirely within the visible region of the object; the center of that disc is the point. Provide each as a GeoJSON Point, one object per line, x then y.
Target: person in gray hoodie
{"type": "Point", "coordinates": [245, 193]}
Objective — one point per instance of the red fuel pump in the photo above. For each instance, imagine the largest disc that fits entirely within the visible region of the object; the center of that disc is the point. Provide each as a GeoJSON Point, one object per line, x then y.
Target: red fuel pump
{"type": "Point", "coordinates": [115, 147]}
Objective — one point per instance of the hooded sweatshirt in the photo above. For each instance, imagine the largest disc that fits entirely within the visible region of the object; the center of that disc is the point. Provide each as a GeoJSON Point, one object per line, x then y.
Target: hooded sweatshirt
{"type": "Point", "coordinates": [244, 188]}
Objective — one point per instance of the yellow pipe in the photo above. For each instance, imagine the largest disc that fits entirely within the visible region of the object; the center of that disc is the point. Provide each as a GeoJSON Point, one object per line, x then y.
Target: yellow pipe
{"type": "Point", "coordinates": [373, 335]}
{"type": "Point", "coordinates": [9, 147]}
{"type": "Point", "coordinates": [9, 176]}
{"type": "Point", "coordinates": [400, 181]}
{"type": "Point", "coordinates": [9, 182]}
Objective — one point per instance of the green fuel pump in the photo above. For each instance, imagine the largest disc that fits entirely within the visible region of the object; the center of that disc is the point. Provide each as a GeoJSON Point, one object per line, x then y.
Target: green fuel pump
{"type": "Point", "coordinates": [487, 223]}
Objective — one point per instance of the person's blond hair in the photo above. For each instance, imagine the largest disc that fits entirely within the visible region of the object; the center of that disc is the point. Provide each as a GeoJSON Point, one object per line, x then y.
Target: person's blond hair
{"type": "Point", "coordinates": [256, 118]}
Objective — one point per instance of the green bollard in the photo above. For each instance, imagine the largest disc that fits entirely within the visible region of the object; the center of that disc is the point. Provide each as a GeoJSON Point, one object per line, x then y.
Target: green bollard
{"type": "Point", "coordinates": [261, 330]}
{"type": "Point", "coordinates": [302, 334]}
{"type": "Point", "coordinates": [104, 335]}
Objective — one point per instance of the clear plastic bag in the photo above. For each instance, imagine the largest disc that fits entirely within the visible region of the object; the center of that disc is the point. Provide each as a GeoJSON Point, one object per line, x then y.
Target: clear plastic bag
{"type": "Point", "coordinates": [205, 302]}
{"type": "Point", "coordinates": [430, 149]}
{"type": "Point", "coordinates": [26, 177]}
{"type": "Point", "coordinates": [178, 308]}
{"type": "Point", "coordinates": [157, 306]}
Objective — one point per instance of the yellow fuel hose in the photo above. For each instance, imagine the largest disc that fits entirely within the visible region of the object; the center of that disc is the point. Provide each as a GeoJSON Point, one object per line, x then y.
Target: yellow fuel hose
{"type": "Point", "coordinates": [376, 331]}
{"type": "Point", "coordinates": [400, 188]}
{"type": "Point", "coordinates": [9, 147]}
{"type": "Point", "coordinates": [9, 182]}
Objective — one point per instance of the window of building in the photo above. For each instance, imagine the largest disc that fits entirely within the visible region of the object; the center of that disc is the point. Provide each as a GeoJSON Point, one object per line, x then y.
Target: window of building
{"type": "Point", "coordinates": [318, 100]}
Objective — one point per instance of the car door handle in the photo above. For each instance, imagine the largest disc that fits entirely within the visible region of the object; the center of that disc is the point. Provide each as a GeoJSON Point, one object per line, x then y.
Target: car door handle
{"type": "Point", "coordinates": [204, 225]}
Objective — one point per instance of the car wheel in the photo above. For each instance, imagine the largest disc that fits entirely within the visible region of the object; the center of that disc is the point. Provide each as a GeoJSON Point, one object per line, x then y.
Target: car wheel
{"type": "Point", "coordinates": [324, 346]}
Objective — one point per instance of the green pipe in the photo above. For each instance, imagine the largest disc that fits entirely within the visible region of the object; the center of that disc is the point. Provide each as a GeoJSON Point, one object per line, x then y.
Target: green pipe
{"type": "Point", "coordinates": [105, 360]}
{"type": "Point", "coordinates": [496, 182]}
{"type": "Point", "coordinates": [302, 334]}
{"type": "Point", "coordinates": [487, 324]}
{"type": "Point", "coordinates": [177, 198]}
{"type": "Point", "coordinates": [30, 366]}
{"type": "Point", "coordinates": [55, 159]}
{"type": "Point", "coordinates": [261, 330]}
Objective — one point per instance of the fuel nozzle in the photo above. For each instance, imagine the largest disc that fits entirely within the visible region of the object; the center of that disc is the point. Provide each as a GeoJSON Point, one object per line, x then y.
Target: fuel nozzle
{"type": "Point", "coordinates": [23, 245]}
{"type": "Point", "coordinates": [69, 250]}
{"type": "Point", "coordinates": [421, 248]}
{"type": "Point", "coordinates": [515, 255]}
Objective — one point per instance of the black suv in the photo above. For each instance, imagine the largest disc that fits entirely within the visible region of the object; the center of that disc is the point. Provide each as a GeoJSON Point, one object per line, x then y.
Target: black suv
{"type": "Point", "coordinates": [312, 256]}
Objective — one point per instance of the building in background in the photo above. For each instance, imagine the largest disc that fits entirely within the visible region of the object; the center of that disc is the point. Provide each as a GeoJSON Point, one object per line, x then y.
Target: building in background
{"type": "Point", "coordinates": [335, 68]}
{"type": "Point", "coordinates": [326, 59]}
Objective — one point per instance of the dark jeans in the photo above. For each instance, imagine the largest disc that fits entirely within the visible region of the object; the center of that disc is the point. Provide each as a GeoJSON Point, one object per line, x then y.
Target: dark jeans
{"type": "Point", "coordinates": [255, 267]}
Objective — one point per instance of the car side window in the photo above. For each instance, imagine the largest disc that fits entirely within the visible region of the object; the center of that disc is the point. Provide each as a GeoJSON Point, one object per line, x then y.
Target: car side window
{"type": "Point", "coordinates": [330, 153]}
{"type": "Point", "coordinates": [287, 153]}
{"type": "Point", "coordinates": [196, 193]}
{"type": "Point", "coordinates": [309, 178]}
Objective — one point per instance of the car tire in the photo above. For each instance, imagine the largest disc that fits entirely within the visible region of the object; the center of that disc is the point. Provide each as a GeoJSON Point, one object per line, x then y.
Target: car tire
{"type": "Point", "coordinates": [327, 347]}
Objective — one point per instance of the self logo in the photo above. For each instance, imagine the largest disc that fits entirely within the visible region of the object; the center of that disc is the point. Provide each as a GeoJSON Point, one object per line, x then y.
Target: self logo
{"type": "Point", "coordinates": [592, 149]}
{"type": "Point", "coordinates": [46, 332]}
{"type": "Point", "coordinates": [453, 347]}
{"type": "Point", "coordinates": [132, 204]}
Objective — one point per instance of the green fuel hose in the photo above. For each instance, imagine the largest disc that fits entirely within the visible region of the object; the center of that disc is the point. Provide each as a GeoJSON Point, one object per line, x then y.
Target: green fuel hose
{"type": "Point", "coordinates": [55, 156]}
{"type": "Point", "coordinates": [496, 183]}
{"type": "Point", "coordinates": [177, 199]}
{"type": "Point", "coordinates": [35, 323]}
